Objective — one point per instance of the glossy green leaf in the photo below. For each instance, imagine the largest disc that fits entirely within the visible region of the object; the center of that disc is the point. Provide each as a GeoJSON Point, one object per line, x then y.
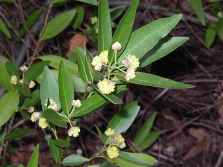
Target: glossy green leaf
{"type": "Point", "coordinates": [8, 105]}
{"type": "Point", "coordinates": [116, 12]}
{"type": "Point", "coordinates": [17, 133]}
{"type": "Point", "coordinates": [161, 49]}
{"type": "Point", "coordinates": [110, 97]}
{"type": "Point", "coordinates": [135, 159]}
{"type": "Point", "coordinates": [154, 81]}
{"type": "Point", "coordinates": [124, 30]}
{"type": "Point", "coordinates": [24, 114]}
{"type": "Point", "coordinates": [33, 100]}
{"type": "Point", "coordinates": [145, 38]}
{"type": "Point", "coordinates": [4, 29]}
{"type": "Point", "coordinates": [81, 64]}
{"type": "Point", "coordinates": [30, 21]}
{"type": "Point", "coordinates": [55, 62]}
{"type": "Point", "coordinates": [61, 143]}
{"type": "Point", "coordinates": [89, 67]}
{"type": "Point", "coordinates": [66, 91]}
{"type": "Point", "coordinates": [24, 90]}
{"type": "Point", "coordinates": [78, 18]}
{"type": "Point", "coordinates": [219, 28]}
{"type": "Point", "coordinates": [215, 0]}
{"type": "Point", "coordinates": [91, 2]}
{"type": "Point", "coordinates": [49, 88]}
{"type": "Point", "coordinates": [101, 135]}
{"type": "Point", "coordinates": [12, 70]}
{"type": "Point", "coordinates": [124, 118]}
{"type": "Point", "coordinates": [149, 140]}
{"type": "Point", "coordinates": [34, 71]}
{"type": "Point", "coordinates": [33, 162]}
{"type": "Point", "coordinates": [54, 150]}
{"type": "Point", "coordinates": [198, 9]}
{"type": "Point", "coordinates": [5, 78]}
{"type": "Point", "coordinates": [144, 130]}
{"type": "Point", "coordinates": [92, 103]}
{"type": "Point", "coordinates": [53, 117]}
{"type": "Point", "coordinates": [104, 30]}
{"type": "Point", "coordinates": [74, 160]}
{"type": "Point", "coordinates": [58, 24]}
{"type": "Point", "coordinates": [210, 34]}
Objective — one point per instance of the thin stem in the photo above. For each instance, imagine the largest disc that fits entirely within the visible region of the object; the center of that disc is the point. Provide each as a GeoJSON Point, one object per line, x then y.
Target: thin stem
{"type": "Point", "coordinates": [41, 33]}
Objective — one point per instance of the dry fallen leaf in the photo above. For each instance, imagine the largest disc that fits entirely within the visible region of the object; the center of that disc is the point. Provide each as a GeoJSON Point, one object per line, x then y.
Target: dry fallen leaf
{"type": "Point", "coordinates": [77, 40]}
{"type": "Point", "coordinates": [194, 150]}
{"type": "Point", "coordinates": [199, 133]}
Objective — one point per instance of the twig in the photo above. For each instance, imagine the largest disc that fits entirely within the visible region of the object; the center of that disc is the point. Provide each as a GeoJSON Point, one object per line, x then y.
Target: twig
{"type": "Point", "coordinates": [218, 164]}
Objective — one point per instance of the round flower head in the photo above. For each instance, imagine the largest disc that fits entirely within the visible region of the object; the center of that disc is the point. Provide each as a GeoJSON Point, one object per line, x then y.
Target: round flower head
{"type": "Point", "coordinates": [21, 81]}
{"type": "Point", "coordinates": [31, 84]}
{"type": "Point", "coordinates": [131, 61]}
{"type": "Point", "coordinates": [110, 132]}
{"type": "Point", "coordinates": [106, 86]}
{"type": "Point", "coordinates": [112, 152]}
{"type": "Point", "coordinates": [104, 57]}
{"type": "Point", "coordinates": [76, 103]}
{"type": "Point", "coordinates": [35, 116]}
{"type": "Point", "coordinates": [14, 80]}
{"type": "Point", "coordinates": [97, 63]}
{"type": "Point", "coordinates": [74, 131]}
{"type": "Point", "coordinates": [52, 104]}
{"type": "Point", "coordinates": [116, 46]}
{"type": "Point", "coordinates": [23, 68]}
{"type": "Point", "coordinates": [120, 141]}
{"type": "Point", "coordinates": [30, 109]}
{"type": "Point", "coordinates": [43, 123]}
{"type": "Point", "coordinates": [130, 74]}
{"type": "Point", "coordinates": [94, 20]}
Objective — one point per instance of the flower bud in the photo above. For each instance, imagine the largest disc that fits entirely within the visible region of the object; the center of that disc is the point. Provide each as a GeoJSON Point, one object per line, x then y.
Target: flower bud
{"type": "Point", "coordinates": [116, 46]}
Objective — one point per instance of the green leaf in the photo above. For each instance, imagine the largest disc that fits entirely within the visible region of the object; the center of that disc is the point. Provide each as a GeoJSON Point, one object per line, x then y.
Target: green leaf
{"type": "Point", "coordinates": [81, 65]}
{"type": "Point", "coordinates": [78, 18]}
{"type": "Point", "coordinates": [92, 103]}
{"type": "Point", "coordinates": [110, 97]}
{"type": "Point", "coordinates": [6, 1]}
{"type": "Point", "coordinates": [53, 117]}
{"type": "Point", "coordinates": [161, 49]}
{"type": "Point", "coordinates": [4, 29]}
{"type": "Point", "coordinates": [66, 91]}
{"type": "Point", "coordinates": [116, 11]}
{"type": "Point", "coordinates": [49, 88]}
{"type": "Point", "coordinates": [24, 114]}
{"type": "Point", "coordinates": [55, 62]}
{"type": "Point", "coordinates": [74, 160]}
{"type": "Point", "coordinates": [12, 70]}
{"type": "Point", "coordinates": [33, 100]}
{"type": "Point", "coordinates": [124, 118]}
{"type": "Point", "coordinates": [145, 38]}
{"type": "Point", "coordinates": [102, 137]}
{"type": "Point", "coordinates": [149, 140]}
{"type": "Point", "coordinates": [61, 143]}
{"type": "Point", "coordinates": [8, 105]}
{"type": "Point", "coordinates": [58, 24]}
{"type": "Point", "coordinates": [20, 165]}
{"type": "Point", "coordinates": [135, 159]}
{"type": "Point", "coordinates": [124, 30]}
{"type": "Point", "coordinates": [34, 71]}
{"type": "Point", "coordinates": [144, 130]}
{"type": "Point", "coordinates": [210, 34]}
{"type": "Point", "coordinates": [5, 78]}
{"type": "Point", "coordinates": [24, 90]}
{"type": "Point", "coordinates": [220, 28]}
{"type": "Point", "coordinates": [17, 133]}
{"type": "Point", "coordinates": [54, 150]}
{"type": "Point", "coordinates": [30, 21]}
{"type": "Point", "coordinates": [198, 9]}
{"type": "Point", "coordinates": [91, 2]}
{"type": "Point", "coordinates": [33, 162]}
{"type": "Point", "coordinates": [104, 30]}
{"type": "Point", "coordinates": [154, 81]}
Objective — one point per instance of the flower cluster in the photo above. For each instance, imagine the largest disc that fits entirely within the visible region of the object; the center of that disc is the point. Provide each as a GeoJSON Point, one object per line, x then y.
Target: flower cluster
{"type": "Point", "coordinates": [131, 62]}
{"type": "Point", "coordinates": [31, 84]}
{"type": "Point", "coordinates": [94, 20]}
{"type": "Point", "coordinates": [23, 68]}
{"type": "Point", "coordinates": [76, 103]}
{"type": "Point", "coordinates": [52, 104]}
{"type": "Point", "coordinates": [43, 123]}
{"type": "Point", "coordinates": [106, 86]}
{"type": "Point", "coordinates": [98, 61]}
{"type": "Point", "coordinates": [74, 131]}
{"type": "Point", "coordinates": [14, 80]}
{"type": "Point", "coordinates": [116, 141]}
